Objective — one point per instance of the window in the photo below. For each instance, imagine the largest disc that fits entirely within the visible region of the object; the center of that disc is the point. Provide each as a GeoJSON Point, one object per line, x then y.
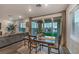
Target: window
{"type": "Point", "coordinates": [34, 28]}
{"type": "Point", "coordinates": [54, 27]}
{"type": "Point", "coordinates": [75, 22]}
{"type": "Point", "coordinates": [48, 26]}
{"type": "Point", "coordinates": [22, 27]}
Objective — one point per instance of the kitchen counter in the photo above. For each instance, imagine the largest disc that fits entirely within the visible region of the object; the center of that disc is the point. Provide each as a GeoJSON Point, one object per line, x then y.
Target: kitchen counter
{"type": "Point", "coordinates": [9, 39]}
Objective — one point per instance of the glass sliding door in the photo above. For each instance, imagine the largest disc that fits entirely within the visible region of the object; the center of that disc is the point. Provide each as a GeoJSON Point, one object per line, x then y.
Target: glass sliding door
{"type": "Point", "coordinates": [22, 27]}
{"type": "Point", "coordinates": [52, 27]}
{"type": "Point", "coordinates": [34, 27]}
{"type": "Point", "coordinates": [56, 26]}
{"type": "Point", "coordinates": [48, 27]}
{"type": "Point", "coordinates": [40, 26]}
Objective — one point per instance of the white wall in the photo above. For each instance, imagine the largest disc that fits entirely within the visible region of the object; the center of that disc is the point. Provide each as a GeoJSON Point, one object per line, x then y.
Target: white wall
{"type": "Point", "coordinates": [3, 26]}
{"type": "Point", "coordinates": [72, 44]}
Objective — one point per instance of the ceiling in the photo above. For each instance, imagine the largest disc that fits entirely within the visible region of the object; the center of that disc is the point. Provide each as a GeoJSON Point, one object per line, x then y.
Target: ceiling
{"type": "Point", "coordinates": [16, 10]}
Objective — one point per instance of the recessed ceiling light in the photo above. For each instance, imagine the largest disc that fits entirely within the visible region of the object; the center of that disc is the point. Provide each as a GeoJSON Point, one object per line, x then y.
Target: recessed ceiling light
{"type": "Point", "coordinates": [20, 17]}
{"type": "Point", "coordinates": [46, 4]}
{"type": "Point", "coordinates": [30, 10]}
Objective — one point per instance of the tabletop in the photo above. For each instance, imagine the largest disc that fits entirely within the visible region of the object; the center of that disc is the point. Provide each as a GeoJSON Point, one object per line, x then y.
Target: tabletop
{"type": "Point", "coordinates": [44, 39]}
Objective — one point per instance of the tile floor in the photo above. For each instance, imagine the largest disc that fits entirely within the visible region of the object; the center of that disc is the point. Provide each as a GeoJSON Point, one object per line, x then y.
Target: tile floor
{"type": "Point", "coordinates": [19, 48]}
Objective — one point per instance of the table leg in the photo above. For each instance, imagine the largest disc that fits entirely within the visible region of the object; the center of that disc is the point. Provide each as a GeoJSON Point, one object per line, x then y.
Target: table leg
{"type": "Point", "coordinates": [24, 42]}
{"type": "Point", "coordinates": [36, 50]}
{"type": "Point", "coordinates": [30, 47]}
{"type": "Point", "coordinates": [40, 47]}
{"type": "Point", "coordinates": [28, 44]}
{"type": "Point", "coordinates": [58, 51]}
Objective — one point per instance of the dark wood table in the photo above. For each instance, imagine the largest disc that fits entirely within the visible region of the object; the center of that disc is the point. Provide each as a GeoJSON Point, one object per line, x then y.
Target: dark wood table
{"type": "Point", "coordinates": [42, 40]}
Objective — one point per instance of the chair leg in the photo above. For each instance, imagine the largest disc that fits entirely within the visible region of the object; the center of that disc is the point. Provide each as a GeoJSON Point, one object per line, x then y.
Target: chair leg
{"type": "Point", "coordinates": [40, 47]}
{"type": "Point", "coordinates": [24, 42]}
{"type": "Point", "coordinates": [49, 50]}
{"type": "Point", "coordinates": [28, 45]}
{"type": "Point", "coordinates": [58, 51]}
{"type": "Point", "coordinates": [36, 50]}
{"type": "Point", "coordinates": [30, 48]}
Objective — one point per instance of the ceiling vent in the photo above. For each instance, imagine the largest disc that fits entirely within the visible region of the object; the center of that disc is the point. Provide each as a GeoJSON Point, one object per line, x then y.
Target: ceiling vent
{"type": "Point", "coordinates": [38, 5]}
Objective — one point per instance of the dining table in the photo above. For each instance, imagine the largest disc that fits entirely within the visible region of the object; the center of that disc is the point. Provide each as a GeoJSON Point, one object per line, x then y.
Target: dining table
{"type": "Point", "coordinates": [49, 40]}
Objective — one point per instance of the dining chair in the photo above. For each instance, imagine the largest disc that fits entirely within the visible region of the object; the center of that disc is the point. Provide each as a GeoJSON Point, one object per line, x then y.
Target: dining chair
{"type": "Point", "coordinates": [55, 46]}
{"type": "Point", "coordinates": [33, 44]}
{"type": "Point", "coordinates": [26, 41]}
